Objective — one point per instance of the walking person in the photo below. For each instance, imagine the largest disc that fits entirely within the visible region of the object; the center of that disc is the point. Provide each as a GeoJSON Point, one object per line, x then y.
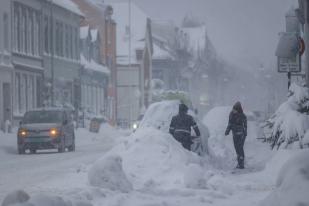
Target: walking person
{"type": "Point", "coordinates": [238, 124]}
{"type": "Point", "coordinates": [180, 127]}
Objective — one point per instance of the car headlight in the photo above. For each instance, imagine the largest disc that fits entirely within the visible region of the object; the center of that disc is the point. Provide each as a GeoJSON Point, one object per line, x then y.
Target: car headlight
{"type": "Point", "coordinates": [135, 126]}
{"type": "Point", "coordinates": [54, 132]}
{"type": "Point", "coordinates": [22, 133]}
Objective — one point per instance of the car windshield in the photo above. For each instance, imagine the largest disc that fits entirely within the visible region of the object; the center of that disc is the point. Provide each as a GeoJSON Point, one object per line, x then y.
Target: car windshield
{"type": "Point", "coordinates": [42, 117]}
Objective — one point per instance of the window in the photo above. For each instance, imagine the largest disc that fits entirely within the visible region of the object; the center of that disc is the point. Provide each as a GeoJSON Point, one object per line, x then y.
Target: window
{"type": "Point", "coordinates": [76, 41]}
{"type": "Point", "coordinates": [46, 34]}
{"type": "Point", "coordinates": [67, 40]}
{"type": "Point", "coordinates": [71, 42]}
{"type": "Point", "coordinates": [17, 93]}
{"type": "Point", "coordinates": [6, 31]}
{"type": "Point", "coordinates": [23, 92]}
{"type": "Point", "coordinates": [26, 30]}
{"type": "Point", "coordinates": [36, 33]}
{"type": "Point", "coordinates": [29, 33]}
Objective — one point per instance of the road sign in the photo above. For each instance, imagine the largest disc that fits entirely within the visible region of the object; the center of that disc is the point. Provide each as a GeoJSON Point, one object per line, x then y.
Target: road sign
{"type": "Point", "coordinates": [289, 64]}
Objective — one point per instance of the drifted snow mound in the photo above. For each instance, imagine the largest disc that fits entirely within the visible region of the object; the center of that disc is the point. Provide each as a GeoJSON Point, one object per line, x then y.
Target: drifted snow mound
{"type": "Point", "coordinates": [20, 198]}
{"type": "Point", "coordinates": [108, 173]}
{"type": "Point", "coordinates": [220, 146]}
{"type": "Point", "coordinates": [15, 197]}
{"type": "Point", "coordinates": [152, 158]}
{"type": "Point", "coordinates": [160, 114]}
{"type": "Point", "coordinates": [292, 183]}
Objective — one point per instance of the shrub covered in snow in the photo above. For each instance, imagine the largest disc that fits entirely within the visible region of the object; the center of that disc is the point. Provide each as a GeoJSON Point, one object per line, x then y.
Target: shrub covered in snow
{"type": "Point", "coordinates": [292, 183]}
{"type": "Point", "coordinates": [108, 173]}
{"type": "Point", "coordinates": [290, 122]}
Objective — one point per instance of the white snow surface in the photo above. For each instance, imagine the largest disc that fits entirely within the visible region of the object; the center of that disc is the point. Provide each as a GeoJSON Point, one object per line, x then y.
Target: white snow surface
{"type": "Point", "coordinates": [159, 170]}
{"type": "Point", "coordinates": [108, 173]}
{"type": "Point", "coordinates": [292, 184]}
{"type": "Point", "coordinates": [92, 65]}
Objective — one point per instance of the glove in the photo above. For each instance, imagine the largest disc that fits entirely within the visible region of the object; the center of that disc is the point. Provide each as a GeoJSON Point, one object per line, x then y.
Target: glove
{"type": "Point", "coordinates": [227, 132]}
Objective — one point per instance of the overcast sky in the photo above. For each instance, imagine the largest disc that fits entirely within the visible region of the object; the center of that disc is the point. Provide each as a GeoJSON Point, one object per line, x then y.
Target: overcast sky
{"type": "Point", "coordinates": [244, 32]}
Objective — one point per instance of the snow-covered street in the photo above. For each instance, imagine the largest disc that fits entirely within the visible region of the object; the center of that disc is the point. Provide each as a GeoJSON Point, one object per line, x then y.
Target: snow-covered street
{"type": "Point", "coordinates": [145, 168]}
{"type": "Point", "coordinates": [39, 172]}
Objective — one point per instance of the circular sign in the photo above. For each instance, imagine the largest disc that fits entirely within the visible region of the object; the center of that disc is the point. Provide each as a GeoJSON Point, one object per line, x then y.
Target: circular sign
{"type": "Point", "coordinates": [301, 46]}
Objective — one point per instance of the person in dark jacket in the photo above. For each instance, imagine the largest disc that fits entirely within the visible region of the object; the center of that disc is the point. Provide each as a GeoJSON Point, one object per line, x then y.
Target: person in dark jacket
{"type": "Point", "coordinates": [180, 127]}
{"type": "Point", "coordinates": [238, 124]}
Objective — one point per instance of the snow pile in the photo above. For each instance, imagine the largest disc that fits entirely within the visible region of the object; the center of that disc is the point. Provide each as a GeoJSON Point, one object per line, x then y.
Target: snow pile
{"type": "Point", "coordinates": [289, 124]}
{"type": "Point", "coordinates": [152, 158]}
{"type": "Point", "coordinates": [216, 120]}
{"type": "Point", "coordinates": [292, 183]}
{"type": "Point", "coordinates": [108, 173]}
{"type": "Point", "coordinates": [159, 115]}
{"type": "Point", "coordinates": [21, 198]}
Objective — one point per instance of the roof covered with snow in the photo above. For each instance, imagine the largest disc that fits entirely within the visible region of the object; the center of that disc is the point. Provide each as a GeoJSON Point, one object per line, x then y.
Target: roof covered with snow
{"type": "Point", "coordinates": [92, 65]}
{"type": "Point", "coordinates": [160, 53]}
{"type": "Point", "coordinates": [68, 5]}
{"type": "Point", "coordinates": [197, 37]}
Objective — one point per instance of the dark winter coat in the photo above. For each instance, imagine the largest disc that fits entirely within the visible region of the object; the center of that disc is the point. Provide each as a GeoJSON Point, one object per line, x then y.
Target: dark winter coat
{"type": "Point", "coordinates": [237, 122]}
{"type": "Point", "coordinates": [180, 127]}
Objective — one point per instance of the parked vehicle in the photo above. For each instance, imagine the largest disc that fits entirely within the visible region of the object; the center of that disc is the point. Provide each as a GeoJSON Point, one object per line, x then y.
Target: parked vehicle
{"type": "Point", "coordinates": [46, 128]}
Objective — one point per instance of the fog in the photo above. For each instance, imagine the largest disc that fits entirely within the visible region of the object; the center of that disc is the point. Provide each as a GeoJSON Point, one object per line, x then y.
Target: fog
{"type": "Point", "coordinates": [244, 32]}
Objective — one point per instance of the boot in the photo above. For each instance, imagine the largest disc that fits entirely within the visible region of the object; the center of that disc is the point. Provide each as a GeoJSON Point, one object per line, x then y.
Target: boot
{"type": "Point", "coordinates": [241, 163]}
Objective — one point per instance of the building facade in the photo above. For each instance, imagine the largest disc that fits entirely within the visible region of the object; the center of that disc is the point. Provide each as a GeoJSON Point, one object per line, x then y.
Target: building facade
{"type": "Point", "coordinates": [94, 75]}
{"type": "Point", "coordinates": [61, 53]}
{"type": "Point", "coordinates": [99, 16]}
{"type": "Point", "coordinates": [27, 57]}
{"type": "Point", "coordinates": [6, 67]}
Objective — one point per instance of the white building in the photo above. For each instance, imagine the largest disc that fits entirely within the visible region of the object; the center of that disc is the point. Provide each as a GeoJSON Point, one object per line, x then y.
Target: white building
{"type": "Point", "coordinates": [134, 51]}
{"type": "Point", "coordinates": [6, 68]}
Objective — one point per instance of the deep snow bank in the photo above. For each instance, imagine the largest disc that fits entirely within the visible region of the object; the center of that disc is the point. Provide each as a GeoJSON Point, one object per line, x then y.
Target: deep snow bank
{"type": "Point", "coordinates": [108, 173]}
{"type": "Point", "coordinates": [21, 198]}
{"type": "Point", "coordinates": [292, 183]}
{"type": "Point", "coordinates": [152, 158]}
{"type": "Point", "coordinates": [220, 146]}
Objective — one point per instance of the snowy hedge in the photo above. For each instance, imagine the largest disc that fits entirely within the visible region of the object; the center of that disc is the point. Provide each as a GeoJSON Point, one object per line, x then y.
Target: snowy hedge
{"type": "Point", "coordinates": [290, 123]}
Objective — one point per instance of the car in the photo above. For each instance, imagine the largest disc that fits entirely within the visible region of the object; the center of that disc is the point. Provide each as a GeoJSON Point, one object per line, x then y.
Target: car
{"type": "Point", "coordinates": [47, 128]}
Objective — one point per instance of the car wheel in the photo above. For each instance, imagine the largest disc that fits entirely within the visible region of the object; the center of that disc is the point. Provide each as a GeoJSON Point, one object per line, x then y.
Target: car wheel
{"type": "Point", "coordinates": [61, 148]}
{"type": "Point", "coordinates": [21, 151]}
{"type": "Point", "coordinates": [32, 151]}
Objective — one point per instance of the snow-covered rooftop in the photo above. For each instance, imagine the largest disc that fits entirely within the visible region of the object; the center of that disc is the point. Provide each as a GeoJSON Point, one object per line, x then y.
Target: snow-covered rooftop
{"type": "Point", "coordinates": [197, 37]}
{"type": "Point", "coordinates": [68, 5]}
{"type": "Point", "coordinates": [160, 53]}
{"type": "Point", "coordinates": [92, 65]}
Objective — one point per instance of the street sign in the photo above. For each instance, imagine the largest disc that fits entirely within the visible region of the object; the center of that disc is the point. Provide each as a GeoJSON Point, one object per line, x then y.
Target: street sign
{"type": "Point", "coordinates": [289, 64]}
